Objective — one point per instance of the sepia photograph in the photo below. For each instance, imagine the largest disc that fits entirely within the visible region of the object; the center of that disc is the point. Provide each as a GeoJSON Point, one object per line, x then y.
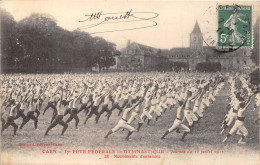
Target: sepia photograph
{"type": "Point", "coordinates": [129, 82]}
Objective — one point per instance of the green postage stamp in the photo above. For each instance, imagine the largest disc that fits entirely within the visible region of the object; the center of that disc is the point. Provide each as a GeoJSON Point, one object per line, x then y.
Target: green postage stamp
{"type": "Point", "coordinates": [234, 26]}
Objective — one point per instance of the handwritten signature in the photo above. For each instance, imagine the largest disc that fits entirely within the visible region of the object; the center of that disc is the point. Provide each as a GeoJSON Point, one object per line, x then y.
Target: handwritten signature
{"type": "Point", "coordinates": [131, 20]}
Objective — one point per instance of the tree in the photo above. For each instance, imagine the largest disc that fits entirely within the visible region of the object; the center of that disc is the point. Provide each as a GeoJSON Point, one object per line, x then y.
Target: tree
{"type": "Point", "coordinates": [38, 44]}
{"type": "Point", "coordinates": [179, 65]}
{"type": "Point", "coordinates": [104, 53]}
{"type": "Point", "coordinates": [36, 35]}
{"type": "Point", "coordinates": [9, 46]}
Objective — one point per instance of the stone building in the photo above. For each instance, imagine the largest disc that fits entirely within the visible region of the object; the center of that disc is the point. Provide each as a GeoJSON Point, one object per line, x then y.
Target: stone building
{"type": "Point", "coordinates": [138, 57]}
{"type": "Point", "coordinates": [197, 53]}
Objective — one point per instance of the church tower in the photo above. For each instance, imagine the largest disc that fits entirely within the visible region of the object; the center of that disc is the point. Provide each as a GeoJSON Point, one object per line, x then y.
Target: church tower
{"type": "Point", "coordinates": [196, 41]}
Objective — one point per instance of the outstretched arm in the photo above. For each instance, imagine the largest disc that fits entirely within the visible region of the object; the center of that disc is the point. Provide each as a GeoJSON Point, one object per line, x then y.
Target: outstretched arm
{"type": "Point", "coordinates": [136, 105]}
{"type": "Point", "coordinates": [182, 107]}
{"type": "Point", "coordinates": [32, 99]}
{"type": "Point", "coordinates": [141, 100]}
{"type": "Point", "coordinates": [62, 93]}
{"type": "Point", "coordinates": [83, 91]}
{"type": "Point", "coordinates": [249, 101]}
{"type": "Point", "coordinates": [195, 95]}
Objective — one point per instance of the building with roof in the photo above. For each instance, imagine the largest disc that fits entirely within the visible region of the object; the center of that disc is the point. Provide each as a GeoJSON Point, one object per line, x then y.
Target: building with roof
{"type": "Point", "coordinates": [197, 53]}
{"type": "Point", "coordinates": [138, 57]}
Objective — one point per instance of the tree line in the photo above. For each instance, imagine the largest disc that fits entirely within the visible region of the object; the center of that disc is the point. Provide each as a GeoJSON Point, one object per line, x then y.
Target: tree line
{"type": "Point", "coordinates": [36, 44]}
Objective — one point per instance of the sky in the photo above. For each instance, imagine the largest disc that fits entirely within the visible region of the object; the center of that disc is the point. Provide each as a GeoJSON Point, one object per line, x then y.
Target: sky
{"type": "Point", "coordinates": [175, 20]}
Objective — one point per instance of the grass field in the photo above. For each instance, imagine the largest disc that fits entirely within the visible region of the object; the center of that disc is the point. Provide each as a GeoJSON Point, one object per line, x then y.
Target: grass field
{"type": "Point", "coordinates": [205, 137]}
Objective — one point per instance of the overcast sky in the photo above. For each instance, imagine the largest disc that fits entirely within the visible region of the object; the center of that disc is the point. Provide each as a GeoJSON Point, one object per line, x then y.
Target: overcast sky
{"type": "Point", "coordinates": [174, 24]}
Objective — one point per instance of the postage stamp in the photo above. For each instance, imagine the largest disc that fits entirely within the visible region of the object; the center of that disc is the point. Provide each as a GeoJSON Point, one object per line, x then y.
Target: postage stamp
{"type": "Point", "coordinates": [234, 26]}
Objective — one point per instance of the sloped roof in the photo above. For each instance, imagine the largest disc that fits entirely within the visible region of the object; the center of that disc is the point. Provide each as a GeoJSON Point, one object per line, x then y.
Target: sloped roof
{"type": "Point", "coordinates": [163, 52]}
{"type": "Point", "coordinates": [207, 50]}
{"type": "Point", "coordinates": [214, 53]}
{"type": "Point", "coordinates": [146, 48]}
{"type": "Point", "coordinates": [196, 28]}
{"type": "Point", "coordinates": [181, 51]}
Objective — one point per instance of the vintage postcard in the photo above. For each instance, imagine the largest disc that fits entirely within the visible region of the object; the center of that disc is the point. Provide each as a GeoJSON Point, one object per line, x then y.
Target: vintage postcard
{"type": "Point", "coordinates": [129, 82]}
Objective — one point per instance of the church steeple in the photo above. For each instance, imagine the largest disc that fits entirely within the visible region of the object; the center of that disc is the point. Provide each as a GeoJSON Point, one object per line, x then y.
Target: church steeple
{"type": "Point", "coordinates": [196, 41]}
{"type": "Point", "coordinates": [196, 28]}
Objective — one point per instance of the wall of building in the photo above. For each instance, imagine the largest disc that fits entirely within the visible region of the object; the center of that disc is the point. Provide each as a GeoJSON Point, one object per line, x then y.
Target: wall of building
{"type": "Point", "coordinates": [196, 41]}
{"type": "Point", "coordinates": [131, 63]}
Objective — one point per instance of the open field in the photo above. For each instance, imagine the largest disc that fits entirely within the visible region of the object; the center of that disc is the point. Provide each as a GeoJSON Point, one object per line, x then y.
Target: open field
{"type": "Point", "coordinates": [205, 137]}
